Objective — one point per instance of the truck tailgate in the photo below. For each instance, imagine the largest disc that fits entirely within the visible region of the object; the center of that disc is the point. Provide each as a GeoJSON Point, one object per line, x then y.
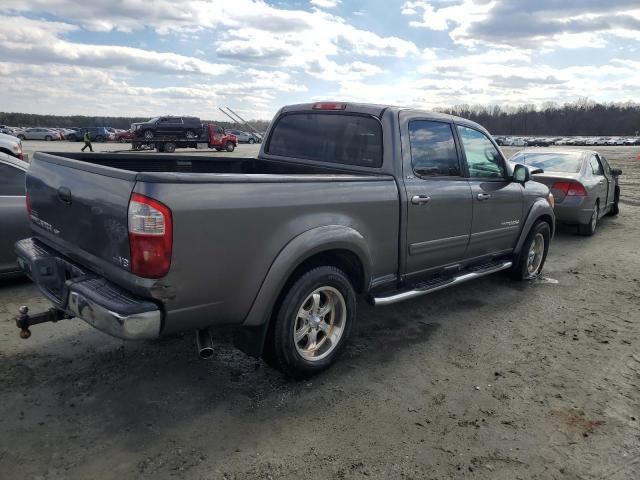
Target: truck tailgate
{"type": "Point", "coordinates": [81, 206]}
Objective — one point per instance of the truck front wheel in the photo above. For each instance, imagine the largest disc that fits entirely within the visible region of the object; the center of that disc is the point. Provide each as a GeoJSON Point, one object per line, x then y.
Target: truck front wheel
{"type": "Point", "coordinates": [312, 323]}
{"type": "Point", "coordinates": [229, 147]}
{"type": "Point", "coordinates": [529, 262]}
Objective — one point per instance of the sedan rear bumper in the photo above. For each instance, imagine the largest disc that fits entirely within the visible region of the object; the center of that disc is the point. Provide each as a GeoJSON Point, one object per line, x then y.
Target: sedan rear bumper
{"type": "Point", "coordinates": [574, 210]}
{"type": "Point", "coordinates": [82, 294]}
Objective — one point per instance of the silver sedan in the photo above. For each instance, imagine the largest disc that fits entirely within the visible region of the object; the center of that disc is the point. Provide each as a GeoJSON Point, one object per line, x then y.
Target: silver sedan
{"type": "Point", "coordinates": [13, 211]}
{"type": "Point", "coordinates": [37, 134]}
{"type": "Point", "coordinates": [585, 187]}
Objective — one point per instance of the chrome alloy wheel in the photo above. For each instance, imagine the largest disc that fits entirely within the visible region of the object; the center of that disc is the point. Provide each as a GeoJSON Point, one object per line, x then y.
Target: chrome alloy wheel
{"type": "Point", "coordinates": [320, 323]}
{"type": "Point", "coordinates": [536, 252]}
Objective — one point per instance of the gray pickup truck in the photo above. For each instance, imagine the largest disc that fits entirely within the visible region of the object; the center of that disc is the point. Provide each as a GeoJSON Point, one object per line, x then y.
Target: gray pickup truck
{"type": "Point", "coordinates": [343, 199]}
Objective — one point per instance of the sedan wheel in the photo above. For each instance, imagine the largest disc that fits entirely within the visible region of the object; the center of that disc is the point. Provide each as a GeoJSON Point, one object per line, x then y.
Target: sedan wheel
{"type": "Point", "coordinates": [589, 229]}
{"type": "Point", "coordinates": [47, 138]}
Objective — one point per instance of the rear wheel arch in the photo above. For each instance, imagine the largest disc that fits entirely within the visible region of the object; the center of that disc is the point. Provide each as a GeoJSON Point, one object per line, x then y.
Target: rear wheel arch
{"type": "Point", "coordinates": [346, 250]}
{"type": "Point", "coordinates": [339, 245]}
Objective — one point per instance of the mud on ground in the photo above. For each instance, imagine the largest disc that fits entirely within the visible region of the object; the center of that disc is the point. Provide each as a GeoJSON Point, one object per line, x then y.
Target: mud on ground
{"type": "Point", "coordinates": [491, 379]}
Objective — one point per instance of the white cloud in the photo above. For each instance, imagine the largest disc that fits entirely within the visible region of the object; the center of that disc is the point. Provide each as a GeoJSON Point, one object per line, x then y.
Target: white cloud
{"type": "Point", "coordinates": [28, 40]}
{"type": "Point", "coordinates": [325, 3]}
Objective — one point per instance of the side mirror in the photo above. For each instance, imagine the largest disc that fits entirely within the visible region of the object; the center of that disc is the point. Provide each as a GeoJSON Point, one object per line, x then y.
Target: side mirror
{"type": "Point", "coordinates": [616, 171]}
{"type": "Point", "coordinates": [521, 174]}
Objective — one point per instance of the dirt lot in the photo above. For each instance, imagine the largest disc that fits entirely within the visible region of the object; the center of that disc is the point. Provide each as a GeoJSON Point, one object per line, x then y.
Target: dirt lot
{"type": "Point", "coordinates": [491, 379]}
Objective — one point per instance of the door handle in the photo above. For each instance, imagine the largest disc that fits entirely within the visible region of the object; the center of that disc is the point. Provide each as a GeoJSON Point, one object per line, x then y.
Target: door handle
{"type": "Point", "coordinates": [601, 182]}
{"type": "Point", "coordinates": [484, 196]}
{"type": "Point", "coordinates": [420, 199]}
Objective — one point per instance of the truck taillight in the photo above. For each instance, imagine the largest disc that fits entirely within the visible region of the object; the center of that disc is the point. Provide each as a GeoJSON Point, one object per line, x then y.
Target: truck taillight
{"type": "Point", "coordinates": [150, 236]}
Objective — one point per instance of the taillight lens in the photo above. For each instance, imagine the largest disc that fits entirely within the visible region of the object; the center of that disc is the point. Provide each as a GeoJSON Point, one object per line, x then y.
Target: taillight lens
{"type": "Point", "coordinates": [150, 236]}
{"type": "Point", "coordinates": [572, 189]}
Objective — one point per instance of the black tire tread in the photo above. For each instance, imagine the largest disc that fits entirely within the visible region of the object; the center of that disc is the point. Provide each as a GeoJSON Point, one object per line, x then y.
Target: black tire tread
{"type": "Point", "coordinates": [278, 352]}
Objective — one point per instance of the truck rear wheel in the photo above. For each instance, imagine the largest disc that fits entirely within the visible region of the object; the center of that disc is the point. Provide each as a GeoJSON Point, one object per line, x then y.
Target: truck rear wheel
{"type": "Point", "coordinates": [312, 323]}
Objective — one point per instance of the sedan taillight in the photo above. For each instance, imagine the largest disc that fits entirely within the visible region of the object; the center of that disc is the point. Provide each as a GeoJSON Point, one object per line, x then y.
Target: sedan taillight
{"type": "Point", "coordinates": [570, 188]}
{"type": "Point", "coordinates": [150, 236]}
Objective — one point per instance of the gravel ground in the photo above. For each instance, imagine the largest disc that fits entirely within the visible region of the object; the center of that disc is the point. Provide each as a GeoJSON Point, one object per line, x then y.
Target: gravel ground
{"type": "Point", "coordinates": [491, 379]}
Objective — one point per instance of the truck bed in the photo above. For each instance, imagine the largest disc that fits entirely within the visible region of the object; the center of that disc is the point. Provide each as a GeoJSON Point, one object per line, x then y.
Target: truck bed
{"type": "Point", "coordinates": [163, 163]}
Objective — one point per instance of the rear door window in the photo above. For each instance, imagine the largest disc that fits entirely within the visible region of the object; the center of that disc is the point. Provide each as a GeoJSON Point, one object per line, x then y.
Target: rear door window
{"type": "Point", "coordinates": [596, 168]}
{"type": "Point", "coordinates": [433, 149]}
{"type": "Point", "coordinates": [325, 137]}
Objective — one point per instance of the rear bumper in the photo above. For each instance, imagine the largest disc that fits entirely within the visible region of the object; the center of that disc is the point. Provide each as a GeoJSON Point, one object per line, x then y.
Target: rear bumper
{"type": "Point", "coordinates": [573, 210]}
{"type": "Point", "coordinates": [82, 294]}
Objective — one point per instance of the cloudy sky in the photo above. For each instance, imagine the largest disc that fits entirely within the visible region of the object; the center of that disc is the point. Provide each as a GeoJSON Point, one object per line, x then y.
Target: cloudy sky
{"type": "Point", "coordinates": [149, 57]}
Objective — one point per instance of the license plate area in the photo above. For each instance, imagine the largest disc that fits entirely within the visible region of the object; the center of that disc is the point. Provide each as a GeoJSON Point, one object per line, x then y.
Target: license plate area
{"type": "Point", "coordinates": [51, 273]}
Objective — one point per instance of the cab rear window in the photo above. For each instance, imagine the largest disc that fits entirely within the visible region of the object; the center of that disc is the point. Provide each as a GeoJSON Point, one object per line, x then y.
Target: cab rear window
{"type": "Point", "coordinates": [325, 137]}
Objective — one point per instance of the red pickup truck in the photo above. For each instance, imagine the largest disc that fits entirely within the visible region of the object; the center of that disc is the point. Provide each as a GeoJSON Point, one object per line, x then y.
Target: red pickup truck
{"type": "Point", "coordinates": [221, 140]}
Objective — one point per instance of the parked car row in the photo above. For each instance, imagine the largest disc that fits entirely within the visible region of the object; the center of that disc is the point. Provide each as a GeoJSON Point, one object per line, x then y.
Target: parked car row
{"type": "Point", "coordinates": [348, 219]}
{"type": "Point", "coordinates": [578, 141]}
{"type": "Point", "coordinates": [188, 127]}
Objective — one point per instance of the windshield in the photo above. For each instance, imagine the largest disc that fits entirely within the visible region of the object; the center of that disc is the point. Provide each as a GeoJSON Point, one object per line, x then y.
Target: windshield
{"type": "Point", "coordinates": [154, 120]}
{"type": "Point", "coordinates": [565, 162]}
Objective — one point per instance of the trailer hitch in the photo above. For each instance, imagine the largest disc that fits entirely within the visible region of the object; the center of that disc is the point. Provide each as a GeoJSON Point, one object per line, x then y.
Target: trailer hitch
{"type": "Point", "coordinates": [24, 320]}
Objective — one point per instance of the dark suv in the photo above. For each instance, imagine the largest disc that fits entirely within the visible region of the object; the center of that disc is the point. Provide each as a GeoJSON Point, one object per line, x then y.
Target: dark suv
{"type": "Point", "coordinates": [188, 127]}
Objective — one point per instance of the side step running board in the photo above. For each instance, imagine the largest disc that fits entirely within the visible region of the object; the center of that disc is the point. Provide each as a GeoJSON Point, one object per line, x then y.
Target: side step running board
{"type": "Point", "coordinates": [406, 295]}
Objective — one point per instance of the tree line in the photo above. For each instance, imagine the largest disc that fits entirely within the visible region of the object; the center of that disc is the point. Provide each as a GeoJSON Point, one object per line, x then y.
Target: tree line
{"type": "Point", "coordinates": [583, 117]}
{"type": "Point", "coordinates": [15, 119]}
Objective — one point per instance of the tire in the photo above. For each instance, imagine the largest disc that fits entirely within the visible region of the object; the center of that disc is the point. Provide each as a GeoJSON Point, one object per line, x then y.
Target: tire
{"type": "Point", "coordinates": [229, 147]}
{"type": "Point", "coordinates": [615, 208]}
{"type": "Point", "coordinates": [251, 140]}
{"type": "Point", "coordinates": [588, 229]}
{"type": "Point", "coordinates": [47, 138]}
{"type": "Point", "coordinates": [169, 147]}
{"type": "Point", "coordinates": [22, 137]}
{"type": "Point", "coordinates": [189, 134]}
{"type": "Point", "coordinates": [528, 264]}
{"type": "Point", "coordinates": [148, 134]}
{"type": "Point", "coordinates": [311, 293]}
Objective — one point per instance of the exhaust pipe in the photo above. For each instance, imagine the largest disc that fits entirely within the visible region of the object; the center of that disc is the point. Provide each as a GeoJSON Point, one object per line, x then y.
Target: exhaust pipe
{"type": "Point", "coordinates": [204, 344]}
